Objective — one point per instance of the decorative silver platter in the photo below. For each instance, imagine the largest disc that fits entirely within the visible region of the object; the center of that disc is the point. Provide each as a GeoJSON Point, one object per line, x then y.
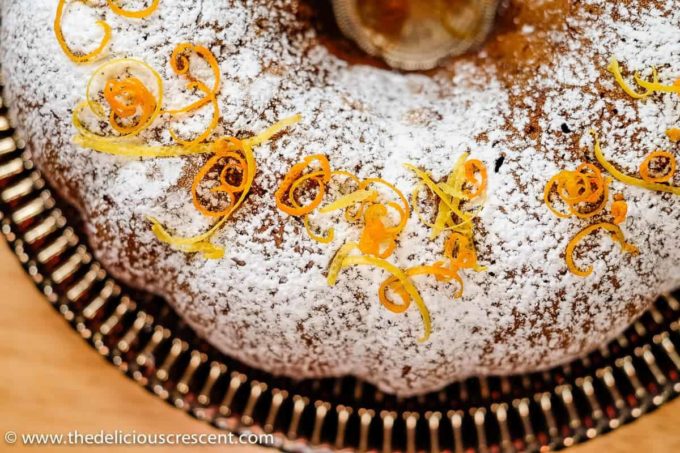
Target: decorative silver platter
{"type": "Point", "coordinates": [142, 336]}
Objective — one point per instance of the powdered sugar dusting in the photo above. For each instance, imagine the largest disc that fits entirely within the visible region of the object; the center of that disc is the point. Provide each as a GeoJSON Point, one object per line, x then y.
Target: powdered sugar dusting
{"type": "Point", "coordinates": [267, 302]}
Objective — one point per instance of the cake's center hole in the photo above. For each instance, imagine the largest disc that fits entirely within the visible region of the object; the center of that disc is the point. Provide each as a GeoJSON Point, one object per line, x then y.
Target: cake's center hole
{"type": "Point", "coordinates": [415, 34]}
{"type": "Point", "coordinates": [386, 17]}
{"type": "Point", "coordinates": [396, 20]}
{"type": "Point", "coordinates": [418, 34]}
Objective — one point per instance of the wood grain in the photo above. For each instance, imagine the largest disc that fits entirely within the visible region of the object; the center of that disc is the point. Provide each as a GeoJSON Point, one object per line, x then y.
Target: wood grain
{"type": "Point", "coordinates": [53, 382]}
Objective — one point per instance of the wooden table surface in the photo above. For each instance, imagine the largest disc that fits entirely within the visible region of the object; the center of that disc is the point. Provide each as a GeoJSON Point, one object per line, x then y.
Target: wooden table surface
{"type": "Point", "coordinates": [53, 382]}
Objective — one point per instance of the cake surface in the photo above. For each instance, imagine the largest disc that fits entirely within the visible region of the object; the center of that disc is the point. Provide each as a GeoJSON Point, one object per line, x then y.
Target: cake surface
{"type": "Point", "coordinates": [523, 105]}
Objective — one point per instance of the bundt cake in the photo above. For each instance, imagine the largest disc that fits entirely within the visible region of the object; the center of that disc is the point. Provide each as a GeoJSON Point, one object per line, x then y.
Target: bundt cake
{"type": "Point", "coordinates": [314, 213]}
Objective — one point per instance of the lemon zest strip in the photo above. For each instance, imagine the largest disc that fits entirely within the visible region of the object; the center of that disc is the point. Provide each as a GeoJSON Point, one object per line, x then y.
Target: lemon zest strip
{"type": "Point", "coordinates": [435, 188]}
{"type": "Point", "coordinates": [348, 200]}
{"type": "Point", "coordinates": [615, 69]}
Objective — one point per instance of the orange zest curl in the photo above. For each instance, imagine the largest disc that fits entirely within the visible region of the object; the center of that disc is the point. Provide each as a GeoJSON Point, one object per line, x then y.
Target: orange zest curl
{"type": "Point", "coordinates": [137, 14]}
{"type": "Point", "coordinates": [383, 221]}
{"type": "Point", "coordinates": [180, 64]}
{"type": "Point", "coordinates": [404, 210]}
{"type": "Point", "coordinates": [585, 191]}
{"type": "Point", "coordinates": [617, 235]}
{"type": "Point", "coordinates": [79, 58]}
{"type": "Point", "coordinates": [673, 135]}
{"type": "Point", "coordinates": [294, 179]}
{"type": "Point", "coordinates": [464, 188]}
{"type": "Point", "coordinates": [235, 164]}
{"type": "Point", "coordinates": [627, 179]}
{"type": "Point", "coordinates": [209, 98]}
{"type": "Point", "coordinates": [128, 98]}
{"type": "Point", "coordinates": [355, 214]}
{"type": "Point", "coordinates": [657, 155]}
{"type": "Point", "coordinates": [619, 209]}
{"type": "Point", "coordinates": [474, 167]}
{"type": "Point", "coordinates": [377, 239]}
{"type": "Point", "coordinates": [392, 283]}
{"type": "Point", "coordinates": [461, 253]}
{"type": "Point", "coordinates": [222, 147]}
